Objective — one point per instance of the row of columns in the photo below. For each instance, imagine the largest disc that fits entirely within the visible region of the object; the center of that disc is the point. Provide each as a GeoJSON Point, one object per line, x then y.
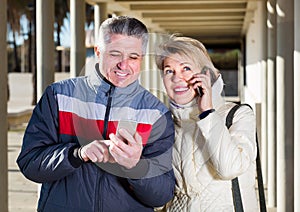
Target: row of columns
{"type": "Point", "coordinates": [45, 41]}
{"type": "Point", "coordinates": [282, 109]}
{"type": "Point", "coordinates": [150, 77]}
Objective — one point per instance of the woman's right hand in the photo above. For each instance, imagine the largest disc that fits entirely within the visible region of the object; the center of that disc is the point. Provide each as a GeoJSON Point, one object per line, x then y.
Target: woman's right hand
{"type": "Point", "coordinates": [203, 81]}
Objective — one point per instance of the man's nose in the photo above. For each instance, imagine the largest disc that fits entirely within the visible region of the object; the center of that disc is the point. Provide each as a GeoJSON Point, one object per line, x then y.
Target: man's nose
{"type": "Point", "coordinates": [123, 64]}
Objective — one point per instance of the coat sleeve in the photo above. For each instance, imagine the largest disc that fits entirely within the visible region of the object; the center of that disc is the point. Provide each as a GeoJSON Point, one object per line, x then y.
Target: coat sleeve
{"type": "Point", "coordinates": [43, 157]}
{"type": "Point", "coordinates": [232, 151]}
{"type": "Point", "coordinates": [157, 187]}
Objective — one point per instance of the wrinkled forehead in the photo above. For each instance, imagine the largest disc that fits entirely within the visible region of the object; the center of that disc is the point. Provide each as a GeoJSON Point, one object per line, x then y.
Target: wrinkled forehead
{"type": "Point", "coordinates": [123, 43]}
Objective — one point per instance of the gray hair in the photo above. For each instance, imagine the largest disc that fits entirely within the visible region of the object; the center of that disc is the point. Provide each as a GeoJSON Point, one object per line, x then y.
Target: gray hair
{"type": "Point", "coordinates": [123, 25]}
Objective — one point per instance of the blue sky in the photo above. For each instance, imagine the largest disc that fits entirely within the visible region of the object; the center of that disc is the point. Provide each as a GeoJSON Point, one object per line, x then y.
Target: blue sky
{"type": "Point", "coordinates": [65, 33]}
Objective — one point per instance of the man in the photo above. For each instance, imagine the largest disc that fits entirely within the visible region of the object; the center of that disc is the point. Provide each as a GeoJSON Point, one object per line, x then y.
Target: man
{"type": "Point", "coordinates": [76, 147]}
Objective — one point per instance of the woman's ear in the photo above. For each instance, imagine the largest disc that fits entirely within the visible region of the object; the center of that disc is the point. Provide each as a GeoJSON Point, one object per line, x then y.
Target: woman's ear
{"type": "Point", "coordinates": [97, 51]}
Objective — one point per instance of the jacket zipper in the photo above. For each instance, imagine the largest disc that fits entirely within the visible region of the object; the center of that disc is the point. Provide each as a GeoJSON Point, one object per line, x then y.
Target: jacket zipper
{"type": "Point", "coordinates": [104, 135]}
{"type": "Point", "coordinates": [106, 117]}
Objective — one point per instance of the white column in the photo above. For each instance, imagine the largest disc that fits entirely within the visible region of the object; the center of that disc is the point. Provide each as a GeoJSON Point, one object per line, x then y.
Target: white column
{"type": "Point", "coordinates": [77, 51]}
{"type": "Point", "coordinates": [145, 70]}
{"type": "Point", "coordinates": [297, 105]}
{"type": "Point", "coordinates": [161, 89]}
{"type": "Point", "coordinates": [263, 63]}
{"type": "Point", "coordinates": [285, 105]}
{"type": "Point", "coordinates": [153, 69]}
{"type": "Point", "coordinates": [44, 44]}
{"type": "Point", "coordinates": [271, 103]}
{"type": "Point", "coordinates": [100, 14]}
{"type": "Point", "coordinates": [3, 110]}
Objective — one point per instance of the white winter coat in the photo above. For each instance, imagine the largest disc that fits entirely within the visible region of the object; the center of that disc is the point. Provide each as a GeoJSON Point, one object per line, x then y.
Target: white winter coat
{"type": "Point", "coordinates": [207, 156]}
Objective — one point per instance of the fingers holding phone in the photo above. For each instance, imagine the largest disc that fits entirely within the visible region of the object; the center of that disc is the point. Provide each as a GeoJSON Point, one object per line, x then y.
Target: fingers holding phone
{"type": "Point", "coordinates": [202, 83]}
{"type": "Point", "coordinates": [126, 146]}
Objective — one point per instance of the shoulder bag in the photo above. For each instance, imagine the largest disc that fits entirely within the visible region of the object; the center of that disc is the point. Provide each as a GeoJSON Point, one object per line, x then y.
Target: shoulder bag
{"type": "Point", "coordinates": [236, 193]}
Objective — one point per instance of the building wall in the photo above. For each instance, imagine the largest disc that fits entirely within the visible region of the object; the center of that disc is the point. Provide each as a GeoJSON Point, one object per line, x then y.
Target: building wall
{"type": "Point", "coordinates": [254, 64]}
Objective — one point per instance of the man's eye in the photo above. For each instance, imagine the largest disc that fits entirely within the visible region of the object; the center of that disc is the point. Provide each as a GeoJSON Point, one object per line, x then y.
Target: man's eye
{"type": "Point", "coordinates": [115, 54]}
{"type": "Point", "coordinates": [134, 57]}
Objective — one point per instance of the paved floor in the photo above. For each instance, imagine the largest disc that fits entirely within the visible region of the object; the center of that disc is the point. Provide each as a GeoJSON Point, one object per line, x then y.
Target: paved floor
{"type": "Point", "coordinates": [22, 193]}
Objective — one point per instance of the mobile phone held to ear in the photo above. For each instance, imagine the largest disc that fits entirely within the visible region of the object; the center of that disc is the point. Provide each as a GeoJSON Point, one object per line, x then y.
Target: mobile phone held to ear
{"type": "Point", "coordinates": [212, 79]}
{"type": "Point", "coordinates": [200, 91]}
{"type": "Point", "coordinates": [128, 125]}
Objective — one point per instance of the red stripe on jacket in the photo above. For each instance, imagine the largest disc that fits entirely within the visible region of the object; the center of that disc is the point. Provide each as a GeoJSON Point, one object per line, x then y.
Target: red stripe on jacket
{"type": "Point", "coordinates": [90, 129]}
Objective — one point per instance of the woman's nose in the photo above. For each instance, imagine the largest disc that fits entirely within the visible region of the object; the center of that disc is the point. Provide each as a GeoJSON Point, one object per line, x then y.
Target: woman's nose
{"type": "Point", "coordinates": [178, 76]}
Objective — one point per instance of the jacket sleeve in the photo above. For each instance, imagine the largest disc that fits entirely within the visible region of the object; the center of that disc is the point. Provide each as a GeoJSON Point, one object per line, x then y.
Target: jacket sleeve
{"type": "Point", "coordinates": [157, 187]}
{"type": "Point", "coordinates": [43, 157]}
{"type": "Point", "coordinates": [232, 151]}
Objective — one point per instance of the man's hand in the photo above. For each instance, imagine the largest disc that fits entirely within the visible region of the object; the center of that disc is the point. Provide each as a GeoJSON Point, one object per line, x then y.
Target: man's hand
{"type": "Point", "coordinates": [127, 150]}
{"type": "Point", "coordinates": [96, 151]}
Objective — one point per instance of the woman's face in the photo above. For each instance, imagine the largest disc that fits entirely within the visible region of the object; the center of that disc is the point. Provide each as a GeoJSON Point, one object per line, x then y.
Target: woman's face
{"type": "Point", "coordinates": [177, 72]}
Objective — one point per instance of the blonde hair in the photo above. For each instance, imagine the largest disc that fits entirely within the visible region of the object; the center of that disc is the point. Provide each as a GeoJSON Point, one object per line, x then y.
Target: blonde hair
{"type": "Point", "coordinates": [184, 46]}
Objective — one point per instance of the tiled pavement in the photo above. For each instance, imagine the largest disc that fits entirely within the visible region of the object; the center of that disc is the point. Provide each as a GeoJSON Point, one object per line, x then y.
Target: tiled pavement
{"type": "Point", "coordinates": [22, 193]}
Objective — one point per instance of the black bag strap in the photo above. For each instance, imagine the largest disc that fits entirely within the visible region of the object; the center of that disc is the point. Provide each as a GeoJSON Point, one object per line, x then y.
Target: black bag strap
{"type": "Point", "coordinates": [261, 190]}
{"type": "Point", "coordinates": [238, 204]}
{"type": "Point", "coordinates": [236, 193]}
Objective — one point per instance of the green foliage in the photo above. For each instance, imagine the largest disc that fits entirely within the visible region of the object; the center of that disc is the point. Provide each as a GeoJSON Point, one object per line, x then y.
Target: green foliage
{"type": "Point", "coordinates": [225, 60]}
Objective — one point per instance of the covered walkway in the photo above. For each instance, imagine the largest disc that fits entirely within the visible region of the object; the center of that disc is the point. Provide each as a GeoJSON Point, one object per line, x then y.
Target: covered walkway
{"type": "Point", "coordinates": [269, 71]}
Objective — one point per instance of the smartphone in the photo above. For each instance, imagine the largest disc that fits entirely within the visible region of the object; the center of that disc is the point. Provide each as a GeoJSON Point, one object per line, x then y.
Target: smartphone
{"type": "Point", "coordinates": [212, 79]}
{"type": "Point", "coordinates": [200, 91]}
{"type": "Point", "coordinates": [128, 125]}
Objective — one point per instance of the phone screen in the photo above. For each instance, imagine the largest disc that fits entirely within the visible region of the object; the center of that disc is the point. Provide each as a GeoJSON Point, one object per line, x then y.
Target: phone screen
{"type": "Point", "coordinates": [128, 125]}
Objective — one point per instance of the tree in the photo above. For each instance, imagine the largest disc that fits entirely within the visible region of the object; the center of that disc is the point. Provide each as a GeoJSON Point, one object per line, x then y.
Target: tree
{"type": "Point", "coordinates": [15, 9]}
{"type": "Point", "coordinates": [31, 16]}
{"type": "Point", "coordinates": [89, 14]}
{"type": "Point", "coordinates": [61, 11]}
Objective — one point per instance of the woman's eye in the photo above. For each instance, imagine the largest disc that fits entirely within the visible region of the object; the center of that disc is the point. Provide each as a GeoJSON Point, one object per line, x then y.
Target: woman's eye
{"type": "Point", "coordinates": [186, 68]}
{"type": "Point", "coordinates": [168, 71]}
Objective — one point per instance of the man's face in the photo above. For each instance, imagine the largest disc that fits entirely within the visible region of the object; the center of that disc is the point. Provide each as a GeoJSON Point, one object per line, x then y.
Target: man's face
{"type": "Point", "coordinates": [120, 60]}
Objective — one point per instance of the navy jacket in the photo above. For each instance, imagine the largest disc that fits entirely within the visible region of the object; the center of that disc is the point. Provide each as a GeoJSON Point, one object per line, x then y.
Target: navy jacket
{"type": "Point", "coordinates": [76, 111]}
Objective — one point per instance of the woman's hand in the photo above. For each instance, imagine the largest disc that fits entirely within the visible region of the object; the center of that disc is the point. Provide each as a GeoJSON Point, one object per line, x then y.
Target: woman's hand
{"type": "Point", "coordinates": [203, 81]}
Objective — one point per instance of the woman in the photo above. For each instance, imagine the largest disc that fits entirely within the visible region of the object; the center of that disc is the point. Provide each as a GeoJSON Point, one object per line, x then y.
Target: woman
{"type": "Point", "coordinates": [206, 155]}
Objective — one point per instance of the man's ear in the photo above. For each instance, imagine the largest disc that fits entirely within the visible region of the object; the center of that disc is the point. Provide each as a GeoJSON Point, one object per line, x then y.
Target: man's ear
{"type": "Point", "coordinates": [97, 51]}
